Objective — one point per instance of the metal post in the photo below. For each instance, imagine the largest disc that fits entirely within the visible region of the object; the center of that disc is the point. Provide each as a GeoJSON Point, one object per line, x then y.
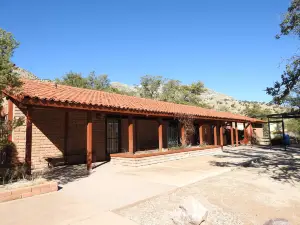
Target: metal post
{"type": "Point", "coordinates": [283, 133]}
{"type": "Point", "coordinates": [269, 132]}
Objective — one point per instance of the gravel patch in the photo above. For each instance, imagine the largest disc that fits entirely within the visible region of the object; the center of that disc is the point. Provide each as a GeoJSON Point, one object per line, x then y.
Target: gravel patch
{"type": "Point", "coordinates": [158, 210]}
{"type": "Point", "coordinates": [264, 184]}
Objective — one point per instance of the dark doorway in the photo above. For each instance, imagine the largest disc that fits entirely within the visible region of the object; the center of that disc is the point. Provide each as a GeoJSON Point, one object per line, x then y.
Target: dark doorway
{"type": "Point", "coordinates": [173, 136]}
{"type": "Point", "coordinates": [113, 136]}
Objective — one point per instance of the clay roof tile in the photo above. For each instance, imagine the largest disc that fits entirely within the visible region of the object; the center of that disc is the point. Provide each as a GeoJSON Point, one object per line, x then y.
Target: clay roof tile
{"type": "Point", "coordinates": [62, 93]}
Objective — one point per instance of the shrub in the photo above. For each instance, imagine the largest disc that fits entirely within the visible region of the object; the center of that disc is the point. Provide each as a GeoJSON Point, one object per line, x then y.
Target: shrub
{"type": "Point", "coordinates": [7, 153]}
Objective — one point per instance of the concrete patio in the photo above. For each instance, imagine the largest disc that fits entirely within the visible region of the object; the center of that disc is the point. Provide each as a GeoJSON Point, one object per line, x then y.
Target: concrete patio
{"type": "Point", "coordinates": [109, 189]}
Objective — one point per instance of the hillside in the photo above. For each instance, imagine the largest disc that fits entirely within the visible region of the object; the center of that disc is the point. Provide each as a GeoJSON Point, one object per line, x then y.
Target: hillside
{"type": "Point", "coordinates": [217, 101]}
{"type": "Point", "coordinates": [223, 102]}
{"type": "Point", "coordinates": [24, 73]}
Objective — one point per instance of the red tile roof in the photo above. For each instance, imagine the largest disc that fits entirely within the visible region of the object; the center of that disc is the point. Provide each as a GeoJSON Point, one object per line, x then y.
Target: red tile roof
{"type": "Point", "coordinates": [66, 94]}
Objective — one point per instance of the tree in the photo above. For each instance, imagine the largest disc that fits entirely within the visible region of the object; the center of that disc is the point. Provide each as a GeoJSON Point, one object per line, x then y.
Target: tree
{"type": "Point", "coordinates": [197, 88]}
{"type": "Point", "coordinates": [223, 108]}
{"type": "Point", "coordinates": [150, 86]}
{"type": "Point", "coordinates": [174, 91]}
{"type": "Point", "coordinates": [100, 82]}
{"type": "Point", "coordinates": [10, 82]}
{"type": "Point", "coordinates": [291, 21]}
{"type": "Point", "coordinates": [256, 111]}
{"type": "Point", "coordinates": [293, 125]}
{"type": "Point", "coordinates": [187, 121]}
{"type": "Point", "coordinates": [290, 77]}
{"type": "Point", "coordinates": [171, 91]}
{"type": "Point", "coordinates": [153, 87]}
{"type": "Point", "coordinates": [8, 78]}
{"type": "Point", "coordinates": [92, 80]}
{"type": "Point", "coordinates": [73, 79]}
{"type": "Point", "coordinates": [293, 99]}
{"type": "Point", "coordinates": [190, 95]}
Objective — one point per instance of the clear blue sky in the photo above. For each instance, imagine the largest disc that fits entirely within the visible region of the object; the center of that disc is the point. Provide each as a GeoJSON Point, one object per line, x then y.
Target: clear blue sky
{"type": "Point", "coordinates": [229, 45]}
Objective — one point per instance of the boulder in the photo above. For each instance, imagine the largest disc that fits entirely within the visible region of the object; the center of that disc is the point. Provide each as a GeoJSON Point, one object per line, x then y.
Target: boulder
{"type": "Point", "coordinates": [277, 222]}
{"type": "Point", "coordinates": [191, 211]}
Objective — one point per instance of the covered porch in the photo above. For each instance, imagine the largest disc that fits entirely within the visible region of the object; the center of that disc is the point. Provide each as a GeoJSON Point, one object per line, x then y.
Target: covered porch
{"type": "Point", "coordinates": [91, 136]}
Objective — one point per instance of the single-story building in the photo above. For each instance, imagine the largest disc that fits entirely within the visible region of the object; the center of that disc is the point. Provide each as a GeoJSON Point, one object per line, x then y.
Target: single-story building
{"type": "Point", "coordinates": [83, 125]}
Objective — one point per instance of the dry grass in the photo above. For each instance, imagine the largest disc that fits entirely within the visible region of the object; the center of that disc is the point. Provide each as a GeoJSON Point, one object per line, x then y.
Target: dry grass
{"type": "Point", "coordinates": [17, 178]}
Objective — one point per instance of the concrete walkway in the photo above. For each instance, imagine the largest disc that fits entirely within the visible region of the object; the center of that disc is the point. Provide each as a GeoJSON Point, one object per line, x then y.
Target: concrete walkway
{"type": "Point", "coordinates": [90, 200]}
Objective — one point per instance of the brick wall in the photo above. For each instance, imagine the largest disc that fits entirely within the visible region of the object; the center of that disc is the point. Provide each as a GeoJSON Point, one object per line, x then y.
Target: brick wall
{"type": "Point", "coordinates": [19, 135]}
{"type": "Point", "coordinates": [124, 135]}
{"type": "Point", "coordinates": [147, 134]}
{"type": "Point", "coordinates": [48, 136]}
{"type": "Point", "coordinates": [76, 152]}
{"type": "Point", "coordinates": [99, 151]}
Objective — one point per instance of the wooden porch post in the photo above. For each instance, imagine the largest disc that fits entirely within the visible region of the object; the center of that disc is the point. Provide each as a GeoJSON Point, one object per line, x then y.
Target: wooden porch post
{"type": "Point", "coordinates": [89, 141]}
{"type": "Point", "coordinates": [182, 136]}
{"type": "Point", "coordinates": [221, 135]}
{"type": "Point", "coordinates": [160, 134]}
{"type": "Point", "coordinates": [66, 137]}
{"type": "Point", "coordinates": [245, 131]}
{"type": "Point", "coordinates": [215, 135]}
{"type": "Point", "coordinates": [130, 135]}
{"type": "Point", "coordinates": [201, 134]}
{"type": "Point", "coordinates": [209, 134]}
{"type": "Point", "coordinates": [251, 133]}
{"type": "Point", "coordinates": [232, 134]}
{"type": "Point", "coordinates": [236, 135]}
{"type": "Point", "coordinates": [28, 140]}
{"type": "Point", "coordinates": [10, 116]}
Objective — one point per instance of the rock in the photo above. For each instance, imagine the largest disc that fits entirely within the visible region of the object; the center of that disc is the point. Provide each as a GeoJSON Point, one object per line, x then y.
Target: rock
{"type": "Point", "coordinates": [277, 222]}
{"type": "Point", "coordinates": [190, 211]}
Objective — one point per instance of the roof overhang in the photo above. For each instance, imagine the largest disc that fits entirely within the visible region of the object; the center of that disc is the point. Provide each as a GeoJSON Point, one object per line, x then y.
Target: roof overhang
{"type": "Point", "coordinates": [35, 102]}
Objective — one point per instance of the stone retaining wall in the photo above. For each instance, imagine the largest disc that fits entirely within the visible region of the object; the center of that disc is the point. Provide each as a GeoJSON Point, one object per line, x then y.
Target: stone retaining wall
{"type": "Point", "coordinates": [136, 162]}
{"type": "Point", "coordinates": [26, 192]}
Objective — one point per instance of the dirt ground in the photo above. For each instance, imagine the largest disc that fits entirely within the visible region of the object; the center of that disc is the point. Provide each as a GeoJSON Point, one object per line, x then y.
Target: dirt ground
{"type": "Point", "coordinates": [262, 184]}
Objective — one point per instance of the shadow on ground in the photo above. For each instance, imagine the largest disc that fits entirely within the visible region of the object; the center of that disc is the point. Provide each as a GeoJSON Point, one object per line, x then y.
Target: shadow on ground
{"type": "Point", "coordinates": [68, 173]}
{"type": "Point", "coordinates": [280, 164]}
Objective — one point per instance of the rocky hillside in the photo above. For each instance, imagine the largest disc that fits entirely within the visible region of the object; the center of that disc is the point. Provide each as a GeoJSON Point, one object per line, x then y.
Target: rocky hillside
{"type": "Point", "coordinates": [222, 102]}
{"type": "Point", "coordinates": [217, 101]}
{"type": "Point", "coordinates": [25, 73]}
